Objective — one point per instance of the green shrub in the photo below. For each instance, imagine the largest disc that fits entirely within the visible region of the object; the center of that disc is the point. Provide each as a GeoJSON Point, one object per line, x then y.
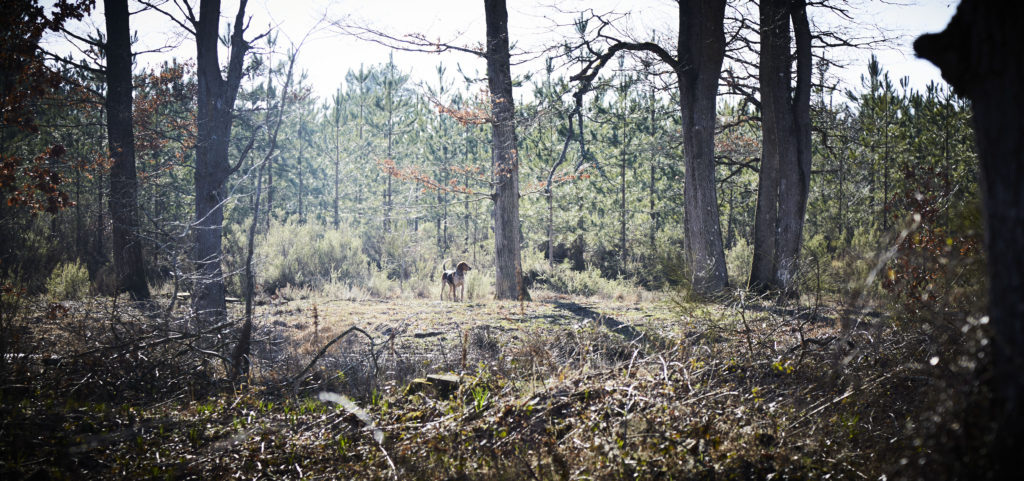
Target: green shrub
{"type": "Point", "coordinates": [402, 254]}
{"type": "Point", "coordinates": [830, 270]}
{"type": "Point", "coordinates": [381, 286]}
{"type": "Point", "coordinates": [307, 255]}
{"type": "Point", "coordinates": [564, 280]}
{"type": "Point", "coordinates": [68, 281]}
{"type": "Point", "coordinates": [479, 284]}
{"type": "Point", "coordinates": [737, 261]}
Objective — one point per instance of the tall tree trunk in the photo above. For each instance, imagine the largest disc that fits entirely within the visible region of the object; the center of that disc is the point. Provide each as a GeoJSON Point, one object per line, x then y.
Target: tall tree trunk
{"type": "Point", "coordinates": [216, 100]}
{"type": "Point", "coordinates": [270, 194]}
{"type": "Point", "coordinates": [337, 181]}
{"type": "Point", "coordinates": [551, 225]}
{"type": "Point", "coordinates": [777, 139]}
{"type": "Point", "coordinates": [337, 155]}
{"type": "Point", "coordinates": [795, 171]}
{"type": "Point", "coordinates": [653, 234]}
{"type": "Point", "coordinates": [981, 54]}
{"type": "Point", "coordinates": [99, 254]}
{"type": "Point", "coordinates": [302, 179]}
{"type": "Point", "coordinates": [784, 177]}
{"type": "Point", "coordinates": [701, 51]}
{"type": "Point", "coordinates": [443, 198]}
{"type": "Point", "coordinates": [388, 177]}
{"type": "Point", "coordinates": [504, 157]}
{"type": "Point", "coordinates": [622, 209]}
{"type": "Point", "coordinates": [730, 231]}
{"type": "Point", "coordinates": [128, 265]}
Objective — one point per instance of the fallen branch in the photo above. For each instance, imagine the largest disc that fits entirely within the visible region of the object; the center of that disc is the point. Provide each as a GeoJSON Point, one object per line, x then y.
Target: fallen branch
{"type": "Point", "coordinates": [146, 345]}
{"type": "Point", "coordinates": [323, 350]}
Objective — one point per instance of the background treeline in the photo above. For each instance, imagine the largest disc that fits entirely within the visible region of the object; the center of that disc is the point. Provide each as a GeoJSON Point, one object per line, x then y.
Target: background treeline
{"type": "Point", "coordinates": [371, 189]}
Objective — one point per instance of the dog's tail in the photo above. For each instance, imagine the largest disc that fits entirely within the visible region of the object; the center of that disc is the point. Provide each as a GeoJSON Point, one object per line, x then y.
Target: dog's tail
{"type": "Point", "coordinates": [444, 267]}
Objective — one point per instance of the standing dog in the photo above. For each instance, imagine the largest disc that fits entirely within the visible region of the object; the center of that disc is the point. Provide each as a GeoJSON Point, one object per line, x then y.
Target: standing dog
{"type": "Point", "coordinates": [454, 279]}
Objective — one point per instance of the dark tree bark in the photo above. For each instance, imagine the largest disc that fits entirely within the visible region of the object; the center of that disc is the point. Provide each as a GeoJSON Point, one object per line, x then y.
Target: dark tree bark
{"type": "Point", "coordinates": [623, 254]}
{"type": "Point", "coordinates": [128, 265]}
{"type": "Point", "coordinates": [981, 54]}
{"type": "Point", "coordinates": [701, 50]}
{"type": "Point", "coordinates": [776, 139]}
{"type": "Point", "coordinates": [504, 157]}
{"type": "Point", "coordinates": [216, 99]}
{"type": "Point", "coordinates": [698, 65]}
{"type": "Point", "coordinates": [785, 174]}
{"type": "Point", "coordinates": [795, 172]}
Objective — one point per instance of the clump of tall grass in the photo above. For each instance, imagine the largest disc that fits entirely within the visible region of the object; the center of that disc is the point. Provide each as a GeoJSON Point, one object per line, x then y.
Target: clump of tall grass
{"type": "Point", "coordinates": [68, 281]}
{"type": "Point", "coordinates": [308, 255]}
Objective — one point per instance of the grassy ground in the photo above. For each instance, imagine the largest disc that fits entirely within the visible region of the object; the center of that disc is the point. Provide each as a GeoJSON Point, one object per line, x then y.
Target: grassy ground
{"type": "Point", "coordinates": [649, 387]}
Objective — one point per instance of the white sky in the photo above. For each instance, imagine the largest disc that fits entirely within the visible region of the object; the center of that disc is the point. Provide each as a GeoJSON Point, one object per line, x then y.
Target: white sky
{"type": "Point", "coordinates": [327, 56]}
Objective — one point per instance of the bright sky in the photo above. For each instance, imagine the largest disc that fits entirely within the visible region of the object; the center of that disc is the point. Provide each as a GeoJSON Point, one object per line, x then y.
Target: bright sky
{"type": "Point", "coordinates": [327, 55]}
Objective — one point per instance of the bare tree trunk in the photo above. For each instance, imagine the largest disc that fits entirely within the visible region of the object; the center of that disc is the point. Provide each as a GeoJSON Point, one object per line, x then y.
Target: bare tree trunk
{"type": "Point", "coordinates": [443, 198]}
{"type": "Point", "coordinates": [270, 193]}
{"type": "Point", "coordinates": [240, 355]}
{"type": "Point", "coordinates": [795, 175]}
{"type": "Point", "coordinates": [622, 209]}
{"type": "Point", "coordinates": [504, 157]}
{"type": "Point", "coordinates": [651, 188]}
{"type": "Point", "coordinates": [388, 177]}
{"type": "Point", "coordinates": [784, 177]}
{"type": "Point", "coordinates": [981, 54]}
{"type": "Point", "coordinates": [216, 100]}
{"type": "Point", "coordinates": [128, 264]}
{"type": "Point", "coordinates": [777, 139]}
{"type": "Point", "coordinates": [551, 226]}
{"type": "Point", "coordinates": [337, 157]}
{"type": "Point", "coordinates": [701, 51]}
{"type": "Point", "coordinates": [302, 178]}
{"type": "Point", "coordinates": [730, 231]}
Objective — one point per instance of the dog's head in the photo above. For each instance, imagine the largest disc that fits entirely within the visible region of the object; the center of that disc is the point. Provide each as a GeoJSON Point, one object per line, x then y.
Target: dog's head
{"type": "Point", "coordinates": [463, 267]}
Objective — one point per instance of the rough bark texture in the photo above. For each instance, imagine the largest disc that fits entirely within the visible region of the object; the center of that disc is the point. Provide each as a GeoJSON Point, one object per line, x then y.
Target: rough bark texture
{"type": "Point", "coordinates": [701, 51]}
{"type": "Point", "coordinates": [131, 275]}
{"type": "Point", "coordinates": [216, 99]}
{"type": "Point", "coordinates": [776, 138]}
{"type": "Point", "coordinates": [784, 178]}
{"type": "Point", "coordinates": [981, 54]}
{"type": "Point", "coordinates": [795, 170]}
{"type": "Point", "coordinates": [697, 65]}
{"type": "Point", "coordinates": [504, 156]}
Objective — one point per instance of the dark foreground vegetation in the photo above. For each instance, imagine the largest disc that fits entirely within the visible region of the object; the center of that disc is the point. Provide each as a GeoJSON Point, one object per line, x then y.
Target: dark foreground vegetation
{"type": "Point", "coordinates": [564, 387]}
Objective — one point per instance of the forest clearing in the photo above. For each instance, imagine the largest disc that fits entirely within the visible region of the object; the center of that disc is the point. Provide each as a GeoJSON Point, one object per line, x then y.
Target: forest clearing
{"type": "Point", "coordinates": [693, 239]}
{"type": "Point", "coordinates": [558, 388]}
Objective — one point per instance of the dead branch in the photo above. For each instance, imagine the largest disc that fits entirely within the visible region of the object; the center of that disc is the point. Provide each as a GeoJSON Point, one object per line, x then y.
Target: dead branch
{"type": "Point", "coordinates": [323, 350]}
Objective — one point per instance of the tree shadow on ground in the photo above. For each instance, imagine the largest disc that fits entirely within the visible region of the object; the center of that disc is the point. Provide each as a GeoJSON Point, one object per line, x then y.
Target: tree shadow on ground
{"type": "Point", "coordinates": [627, 331]}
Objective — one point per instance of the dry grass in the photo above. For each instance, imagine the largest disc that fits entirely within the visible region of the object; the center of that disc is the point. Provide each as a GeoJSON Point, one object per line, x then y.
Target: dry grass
{"type": "Point", "coordinates": [559, 388]}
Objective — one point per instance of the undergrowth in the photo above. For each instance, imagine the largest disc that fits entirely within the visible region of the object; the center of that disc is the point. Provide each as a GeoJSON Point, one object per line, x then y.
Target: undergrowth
{"type": "Point", "coordinates": [560, 388]}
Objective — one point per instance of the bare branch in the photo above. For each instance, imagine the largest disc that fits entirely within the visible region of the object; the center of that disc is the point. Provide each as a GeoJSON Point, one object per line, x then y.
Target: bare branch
{"type": "Point", "coordinates": [413, 42]}
{"type": "Point", "coordinates": [189, 16]}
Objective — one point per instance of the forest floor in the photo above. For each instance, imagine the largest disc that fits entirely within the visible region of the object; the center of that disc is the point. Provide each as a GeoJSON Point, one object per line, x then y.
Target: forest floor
{"type": "Point", "coordinates": [558, 388]}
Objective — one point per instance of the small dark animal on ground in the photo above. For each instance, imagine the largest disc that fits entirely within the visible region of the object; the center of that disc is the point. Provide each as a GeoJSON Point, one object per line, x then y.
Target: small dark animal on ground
{"type": "Point", "coordinates": [450, 280]}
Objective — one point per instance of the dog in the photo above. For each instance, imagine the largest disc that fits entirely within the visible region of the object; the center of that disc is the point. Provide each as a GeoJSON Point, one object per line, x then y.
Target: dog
{"type": "Point", "coordinates": [450, 280]}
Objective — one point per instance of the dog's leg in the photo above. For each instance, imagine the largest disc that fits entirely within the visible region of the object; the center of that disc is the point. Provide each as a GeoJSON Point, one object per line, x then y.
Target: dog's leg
{"type": "Point", "coordinates": [442, 290]}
